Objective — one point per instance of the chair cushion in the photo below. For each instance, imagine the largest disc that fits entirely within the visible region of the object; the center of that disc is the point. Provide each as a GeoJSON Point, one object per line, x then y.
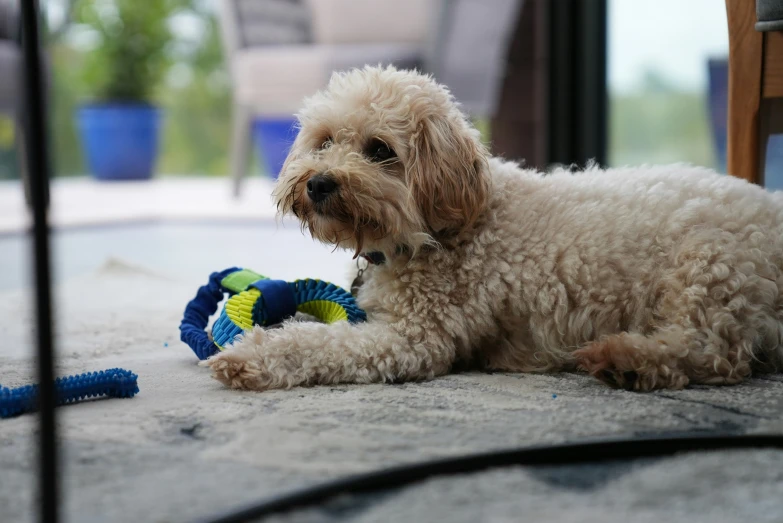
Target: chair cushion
{"type": "Point", "coordinates": [275, 80]}
{"type": "Point", "coordinates": [769, 14]}
{"type": "Point", "coordinates": [357, 21]}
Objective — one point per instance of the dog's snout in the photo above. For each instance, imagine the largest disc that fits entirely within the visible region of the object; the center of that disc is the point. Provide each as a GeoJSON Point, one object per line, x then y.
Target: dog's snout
{"type": "Point", "coordinates": [319, 187]}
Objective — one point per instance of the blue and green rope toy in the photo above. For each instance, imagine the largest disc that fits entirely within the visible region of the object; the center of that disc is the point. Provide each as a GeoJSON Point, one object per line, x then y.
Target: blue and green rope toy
{"type": "Point", "coordinates": [254, 299]}
{"type": "Point", "coordinates": [114, 383]}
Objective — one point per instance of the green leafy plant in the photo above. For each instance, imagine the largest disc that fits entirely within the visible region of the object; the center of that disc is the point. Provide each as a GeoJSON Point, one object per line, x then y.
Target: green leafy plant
{"type": "Point", "coordinates": [129, 53]}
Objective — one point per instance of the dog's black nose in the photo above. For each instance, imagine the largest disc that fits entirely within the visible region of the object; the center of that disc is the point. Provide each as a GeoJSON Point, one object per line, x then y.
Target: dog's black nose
{"type": "Point", "coordinates": [319, 187]}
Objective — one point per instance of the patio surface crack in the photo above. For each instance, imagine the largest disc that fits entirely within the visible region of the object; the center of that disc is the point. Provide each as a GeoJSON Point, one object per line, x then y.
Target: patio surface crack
{"type": "Point", "coordinates": [731, 410]}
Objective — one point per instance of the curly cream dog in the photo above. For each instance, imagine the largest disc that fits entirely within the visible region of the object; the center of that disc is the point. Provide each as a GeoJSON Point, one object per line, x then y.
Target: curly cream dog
{"type": "Point", "coordinates": [652, 277]}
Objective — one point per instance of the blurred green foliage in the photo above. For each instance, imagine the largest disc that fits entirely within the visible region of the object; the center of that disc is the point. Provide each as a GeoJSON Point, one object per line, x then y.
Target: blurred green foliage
{"type": "Point", "coordinates": [186, 77]}
{"type": "Point", "coordinates": [660, 124]}
{"type": "Point", "coordinates": [198, 111]}
{"type": "Point", "coordinates": [129, 57]}
{"type": "Point", "coordinates": [484, 127]}
{"type": "Point", "coordinates": [7, 156]}
{"type": "Point", "coordinates": [67, 88]}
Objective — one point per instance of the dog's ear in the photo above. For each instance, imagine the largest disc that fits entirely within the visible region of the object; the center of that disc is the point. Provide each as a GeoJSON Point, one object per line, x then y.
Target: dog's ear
{"type": "Point", "coordinates": [447, 173]}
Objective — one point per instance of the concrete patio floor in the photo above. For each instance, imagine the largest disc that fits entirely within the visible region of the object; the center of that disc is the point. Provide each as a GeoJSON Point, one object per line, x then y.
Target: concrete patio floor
{"type": "Point", "coordinates": [187, 226]}
{"type": "Point", "coordinates": [79, 202]}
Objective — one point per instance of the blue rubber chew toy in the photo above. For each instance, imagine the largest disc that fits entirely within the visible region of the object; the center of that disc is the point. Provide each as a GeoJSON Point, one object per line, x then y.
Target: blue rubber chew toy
{"type": "Point", "coordinates": [114, 383]}
{"type": "Point", "coordinates": [254, 299]}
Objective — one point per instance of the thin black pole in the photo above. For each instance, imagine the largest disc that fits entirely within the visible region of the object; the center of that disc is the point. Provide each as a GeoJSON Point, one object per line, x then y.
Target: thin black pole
{"type": "Point", "coordinates": [38, 172]}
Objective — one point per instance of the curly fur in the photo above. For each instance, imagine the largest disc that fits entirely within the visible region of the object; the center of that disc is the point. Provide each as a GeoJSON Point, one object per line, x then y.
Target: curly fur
{"type": "Point", "coordinates": [650, 277]}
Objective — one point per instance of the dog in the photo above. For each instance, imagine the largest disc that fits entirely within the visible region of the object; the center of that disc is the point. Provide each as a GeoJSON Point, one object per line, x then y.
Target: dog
{"type": "Point", "coordinates": [646, 278]}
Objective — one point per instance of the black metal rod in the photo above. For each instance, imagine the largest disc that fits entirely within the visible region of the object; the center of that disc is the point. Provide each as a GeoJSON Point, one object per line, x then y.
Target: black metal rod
{"type": "Point", "coordinates": [593, 80]}
{"type": "Point", "coordinates": [548, 455]}
{"type": "Point", "coordinates": [38, 176]}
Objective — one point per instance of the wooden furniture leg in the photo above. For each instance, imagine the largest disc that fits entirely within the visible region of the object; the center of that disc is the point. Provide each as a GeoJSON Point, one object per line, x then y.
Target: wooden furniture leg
{"type": "Point", "coordinates": [745, 77]}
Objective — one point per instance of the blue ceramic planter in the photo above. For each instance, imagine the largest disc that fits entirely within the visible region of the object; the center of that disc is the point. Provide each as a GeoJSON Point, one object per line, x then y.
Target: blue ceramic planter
{"type": "Point", "coordinates": [120, 141]}
{"type": "Point", "coordinates": [273, 138]}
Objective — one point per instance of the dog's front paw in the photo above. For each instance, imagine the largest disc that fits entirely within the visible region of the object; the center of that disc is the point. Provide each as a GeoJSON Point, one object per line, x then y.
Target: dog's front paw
{"type": "Point", "coordinates": [254, 363]}
{"type": "Point", "coordinates": [236, 370]}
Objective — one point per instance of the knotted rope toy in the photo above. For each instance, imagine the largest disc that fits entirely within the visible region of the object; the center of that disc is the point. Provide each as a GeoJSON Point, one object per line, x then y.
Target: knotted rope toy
{"type": "Point", "coordinates": [114, 383]}
{"type": "Point", "coordinates": [254, 299]}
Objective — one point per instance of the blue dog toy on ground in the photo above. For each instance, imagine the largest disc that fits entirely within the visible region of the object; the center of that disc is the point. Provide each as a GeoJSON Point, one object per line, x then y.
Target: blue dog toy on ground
{"type": "Point", "coordinates": [114, 383]}
{"type": "Point", "coordinates": [257, 300]}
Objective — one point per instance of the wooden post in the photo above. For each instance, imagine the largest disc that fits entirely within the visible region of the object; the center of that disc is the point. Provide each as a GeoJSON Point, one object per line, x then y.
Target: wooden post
{"type": "Point", "coordinates": [745, 56]}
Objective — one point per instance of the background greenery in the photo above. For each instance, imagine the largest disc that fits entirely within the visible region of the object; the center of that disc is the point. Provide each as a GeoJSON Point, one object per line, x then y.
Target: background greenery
{"type": "Point", "coordinates": [187, 77]}
{"type": "Point", "coordinates": [130, 55]}
{"type": "Point", "coordinates": [660, 124]}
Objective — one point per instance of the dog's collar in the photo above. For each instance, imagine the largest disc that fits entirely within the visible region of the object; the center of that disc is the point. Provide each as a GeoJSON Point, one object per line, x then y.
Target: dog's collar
{"type": "Point", "coordinates": [374, 258]}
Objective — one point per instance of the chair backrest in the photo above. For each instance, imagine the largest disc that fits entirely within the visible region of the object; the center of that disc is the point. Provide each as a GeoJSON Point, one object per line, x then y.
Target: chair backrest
{"type": "Point", "coordinates": [254, 23]}
{"type": "Point", "coordinates": [469, 49]}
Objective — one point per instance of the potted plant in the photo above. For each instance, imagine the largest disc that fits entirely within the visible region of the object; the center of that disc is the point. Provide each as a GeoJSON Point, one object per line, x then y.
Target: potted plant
{"type": "Point", "coordinates": [119, 129]}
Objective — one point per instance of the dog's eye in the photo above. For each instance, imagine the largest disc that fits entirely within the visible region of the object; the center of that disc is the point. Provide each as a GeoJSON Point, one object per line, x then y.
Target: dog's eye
{"type": "Point", "coordinates": [379, 151]}
{"type": "Point", "coordinates": [326, 143]}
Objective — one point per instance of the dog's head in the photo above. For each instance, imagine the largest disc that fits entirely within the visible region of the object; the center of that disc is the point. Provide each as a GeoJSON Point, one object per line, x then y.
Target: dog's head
{"type": "Point", "coordinates": [384, 158]}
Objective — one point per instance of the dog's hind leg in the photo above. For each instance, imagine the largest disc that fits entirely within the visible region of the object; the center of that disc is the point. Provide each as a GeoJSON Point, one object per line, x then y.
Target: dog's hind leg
{"type": "Point", "coordinates": [716, 317]}
{"type": "Point", "coordinates": [670, 358]}
{"type": "Point", "coordinates": [713, 337]}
